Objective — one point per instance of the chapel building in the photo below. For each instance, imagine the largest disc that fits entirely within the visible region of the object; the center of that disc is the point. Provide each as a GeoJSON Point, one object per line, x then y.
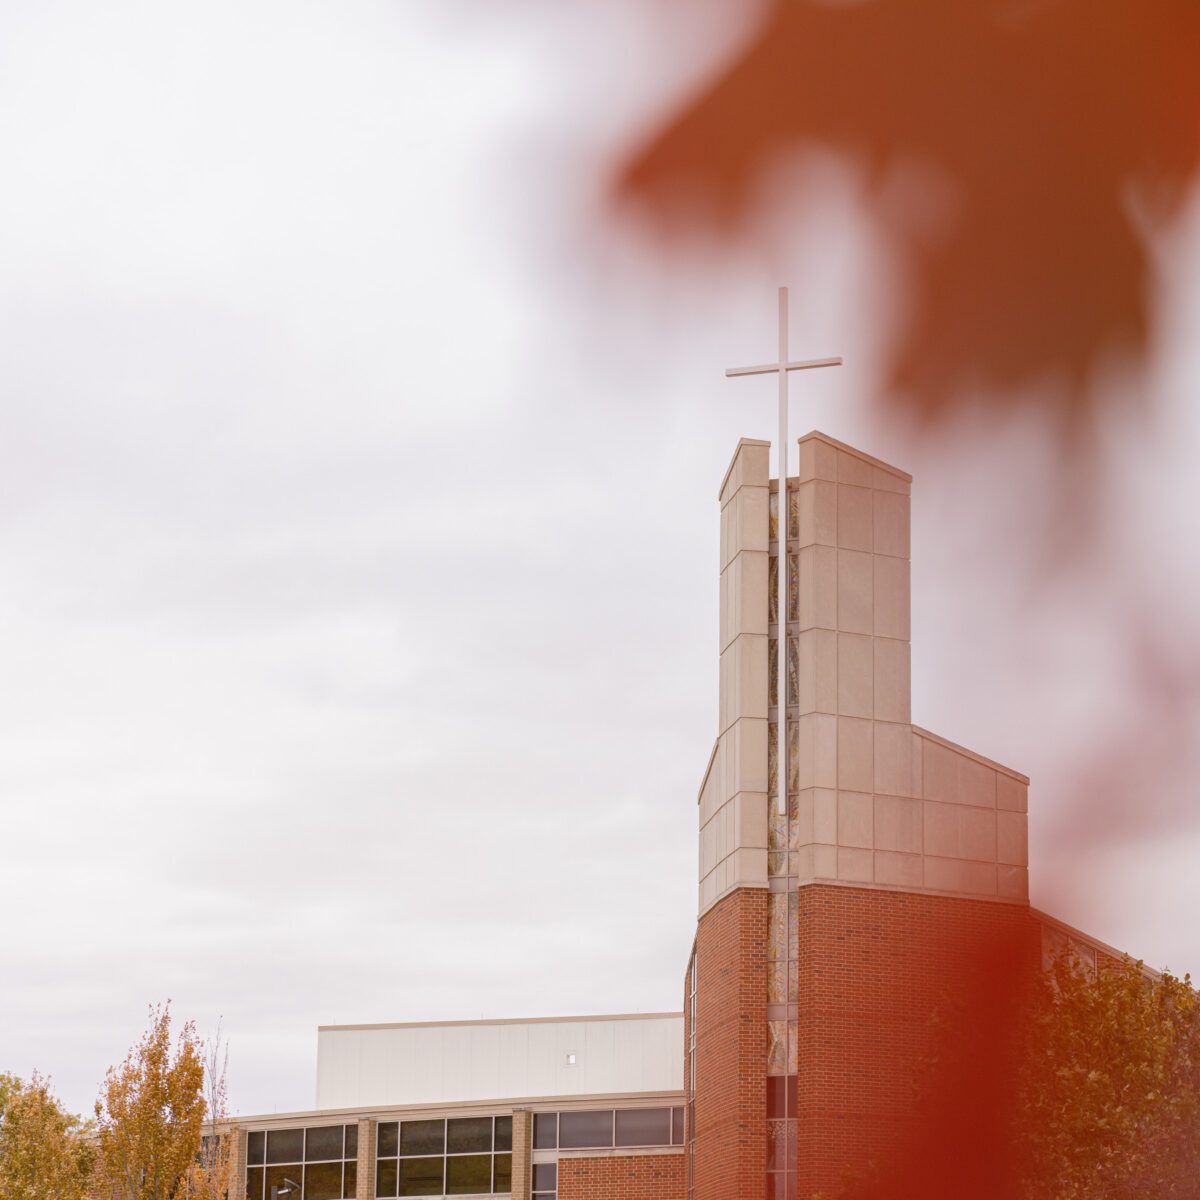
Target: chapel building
{"type": "Point", "coordinates": [828, 937]}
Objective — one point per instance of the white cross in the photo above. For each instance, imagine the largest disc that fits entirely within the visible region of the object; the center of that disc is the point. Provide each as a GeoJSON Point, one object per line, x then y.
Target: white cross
{"type": "Point", "coordinates": [782, 367]}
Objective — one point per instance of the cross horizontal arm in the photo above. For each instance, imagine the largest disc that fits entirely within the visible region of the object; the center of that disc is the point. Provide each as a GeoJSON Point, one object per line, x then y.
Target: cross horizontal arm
{"type": "Point", "coordinates": [771, 368]}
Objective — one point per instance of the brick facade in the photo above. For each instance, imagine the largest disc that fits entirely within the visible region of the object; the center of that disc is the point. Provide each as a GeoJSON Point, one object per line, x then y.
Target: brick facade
{"type": "Point", "coordinates": [623, 1177]}
{"type": "Point", "coordinates": [875, 968]}
{"type": "Point", "coordinates": [881, 972]}
{"type": "Point", "coordinates": [731, 1055]}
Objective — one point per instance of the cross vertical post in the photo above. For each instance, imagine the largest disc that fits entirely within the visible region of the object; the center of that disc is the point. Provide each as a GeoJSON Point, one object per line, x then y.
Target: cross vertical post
{"type": "Point", "coordinates": [782, 367]}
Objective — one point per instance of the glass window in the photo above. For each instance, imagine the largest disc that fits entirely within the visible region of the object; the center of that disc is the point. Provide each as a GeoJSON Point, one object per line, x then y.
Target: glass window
{"type": "Point", "coordinates": [545, 1131]}
{"type": "Point", "coordinates": [421, 1176]}
{"type": "Point", "coordinates": [256, 1147]}
{"type": "Point", "coordinates": [469, 1135]}
{"type": "Point", "coordinates": [545, 1177]}
{"type": "Point", "coordinates": [581, 1130]}
{"type": "Point", "coordinates": [643, 1126]}
{"type": "Point", "coordinates": [504, 1133]}
{"type": "Point", "coordinates": [422, 1137]}
{"type": "Point", "coordinates": [285, 1145]}
{"type": "Point", "coordinates": [503, 1177]}
{"type": "Point", "coordinates": [389, 1144]}
{"type": "Point", "coordinates": [351, 1141]}
{"type": "Point", "coordinates": [254, 1183]}
{"type": "Point", "coordinates": [323, 1143]}
{"type": "Point", "coordinates": [385, 1177]}
{"type": "Point", "coordinates": [322, 1181]}
{"type": "Point", "coordinates": [677, 1127]}
{"type": "Point", "coordinates": [281, 1177]}
{"type": "Point", "coordinates": [468, 1174]}
{"type": "Point", "coordinates": [350, 1187]}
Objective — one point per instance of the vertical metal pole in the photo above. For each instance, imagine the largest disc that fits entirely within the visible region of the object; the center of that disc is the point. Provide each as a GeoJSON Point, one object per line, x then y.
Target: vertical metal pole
{"type": "Point", "coordinates": [781, 747]}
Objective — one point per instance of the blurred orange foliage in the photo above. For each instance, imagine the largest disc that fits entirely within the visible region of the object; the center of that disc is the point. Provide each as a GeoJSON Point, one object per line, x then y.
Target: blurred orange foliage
{"type": "Point", "coordinates": [1059, 126]}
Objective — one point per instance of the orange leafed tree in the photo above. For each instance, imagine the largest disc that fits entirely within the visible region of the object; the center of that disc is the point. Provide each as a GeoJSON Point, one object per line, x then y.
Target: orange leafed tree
{"type": "Point", "coordinates": [151, 1117]}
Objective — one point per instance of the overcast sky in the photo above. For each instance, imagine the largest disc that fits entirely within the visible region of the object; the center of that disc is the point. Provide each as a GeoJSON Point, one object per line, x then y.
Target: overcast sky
{"type": "Point", "coordinates": [359, 531]}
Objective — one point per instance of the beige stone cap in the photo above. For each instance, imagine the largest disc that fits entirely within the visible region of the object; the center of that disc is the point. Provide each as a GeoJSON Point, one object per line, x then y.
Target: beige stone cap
{"type": "Point", "coordinates": [728, 470]}
{"type": "Point", "coordinates": [502, 1106]}
{"type": "Point", "coordinates": [867, 458]}
{"type": "Point", "coordinates": [712, 758]}
{"type": "Point", "coordinates": [862, 885]}
{"type": "Point", "coordinates": [1087, 939]}
{"type": "Point", "coordinates": [979, 758]}
{"type": "Point", "coordinates": [622, 1152]}
{"type": "Point", "coordinates": [650, 1016]}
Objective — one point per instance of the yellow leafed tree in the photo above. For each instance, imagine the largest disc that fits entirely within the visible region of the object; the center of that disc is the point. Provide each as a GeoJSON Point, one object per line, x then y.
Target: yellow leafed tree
{"type": "Point", "coordinates": [44, 1154]}
{"type": "Point", "coordinates": [150, 1116]}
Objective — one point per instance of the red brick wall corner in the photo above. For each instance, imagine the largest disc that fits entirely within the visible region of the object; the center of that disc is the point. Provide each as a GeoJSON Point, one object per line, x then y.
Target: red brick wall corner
{"type": "Point", "coordinates": [623, 1177]}
{"type": "Point", "coordinates": [731, 1048]}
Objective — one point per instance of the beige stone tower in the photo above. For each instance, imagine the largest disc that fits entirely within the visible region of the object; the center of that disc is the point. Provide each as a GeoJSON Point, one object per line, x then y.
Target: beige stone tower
{"type": "Point", "coordinates": [874, 800]}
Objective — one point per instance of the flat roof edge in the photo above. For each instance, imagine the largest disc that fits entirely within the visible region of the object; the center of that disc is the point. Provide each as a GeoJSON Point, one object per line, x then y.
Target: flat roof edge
{"type": "Point", "coordinates": [654, 1016]}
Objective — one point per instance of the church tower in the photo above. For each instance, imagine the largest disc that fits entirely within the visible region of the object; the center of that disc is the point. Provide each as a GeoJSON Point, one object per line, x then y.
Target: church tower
{"type": "Point", "coordinates": [826, 933]}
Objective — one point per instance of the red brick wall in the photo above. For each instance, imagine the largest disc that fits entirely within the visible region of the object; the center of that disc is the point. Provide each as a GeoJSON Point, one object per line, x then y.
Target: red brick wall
{"type": "Point", "coordinates": [874, 965]}
{"type": "Point", "coordinates": [731, 1048]}
{"type": "Point", "coordinates": [623, 1177]}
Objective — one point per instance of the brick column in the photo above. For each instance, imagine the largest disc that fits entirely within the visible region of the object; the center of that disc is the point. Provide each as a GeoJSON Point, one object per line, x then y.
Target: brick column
{"type": "Point", "coordinates": [730, 1144]}
{"type": "Point", "coordinates": [368, 1132]}
{"type": "Point", "coordinates": [522, 1153]}
{"type": "Point", "coordinates": [237, 1185]}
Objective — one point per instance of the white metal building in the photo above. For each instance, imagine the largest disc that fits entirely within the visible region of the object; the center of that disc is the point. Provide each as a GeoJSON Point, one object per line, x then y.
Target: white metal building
{"type": "Point", "coordinates": [371, 1066]}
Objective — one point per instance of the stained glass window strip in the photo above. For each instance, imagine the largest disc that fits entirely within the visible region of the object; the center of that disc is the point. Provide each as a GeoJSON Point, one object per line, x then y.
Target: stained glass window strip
{"type": "Point", "coordinates": [772, 758]}
{"type": "Point", "coordinates": [783, 967]}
